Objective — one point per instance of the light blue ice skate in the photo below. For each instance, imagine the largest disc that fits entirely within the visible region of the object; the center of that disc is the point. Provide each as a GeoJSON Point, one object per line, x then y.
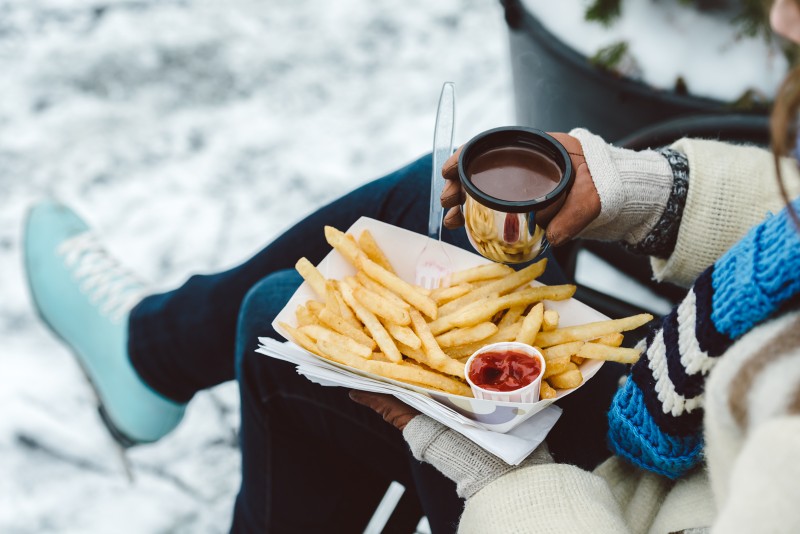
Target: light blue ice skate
{"type": "Point", "coordinates": [85, 297]}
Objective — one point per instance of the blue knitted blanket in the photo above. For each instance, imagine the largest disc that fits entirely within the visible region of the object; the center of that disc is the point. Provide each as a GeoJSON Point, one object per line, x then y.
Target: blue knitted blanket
{"type": "Point", "coordinates": [655, 420]}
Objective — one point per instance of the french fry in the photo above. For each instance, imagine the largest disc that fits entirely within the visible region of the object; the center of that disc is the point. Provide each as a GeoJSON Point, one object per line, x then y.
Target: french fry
{"type": "Point", "coordinates": [401, 372]}
{"type": "Point", "coordinates": [546, 391]}
{"type": "Point", "coordinates": [464, 336]}
{"type": "Point", "coordinates": [402, 288]}
{"type": "Point", "coordinates": [568, 380]}
{"type": "Point", "coordinates": [531, 325]}
{"type": "Point", "coordinates": [304, 316]}
{"type": "Point", "coordinates": [379, 367]}
{"type": "Point", "coordinates": [450, 385]}
{"type": "Point", "coordinates": [403, 334]}
{"type": "Point", "coordinates": [577, 360]}
{"type": "Point", "coordinates": [375, 287]}
{"type": "Point", "coordinates": [481, 272]}
{"type": "Point", "coordinates": [416, 354]}
{"type": "Point", "coordinates": [338, 324]}
{"type": "Point", "coordinates": [565, 350]}
{"type": "Point", "coordinates": [311, 275]}
{"type": "Point", "coordinates": [448, 322]}
{"type": "Point", "coordinates": [550, 320]}
{"type": "Point", "coordinates": [450, 366]}
{"type": "Point", "coordinates": [504, 285]}
{"type": "Point", "coordinates": [321, 333]}
{"type": "Point", "coordinates": [376, 329]}
{"type": "Point", "coordinates": [339, 353]}
{"type": "Point", "coordinates": [556, 366]}
{"type": "Point", "coordinates": [380, 306]}
{"type": "Point", "coordinates": [437, 359]}
{"type": "Point", "coordinates": [511, 316]}
{"type": "Point", "coordinates": [486, 309]}
{"type": "Point", "coordinates": [315, 307]}
{"type": "Point", "coordinates": [300, 338]}
{"type": "Point", "coordinates": [344, 309]}
{"type": "Point", "coordinates": [595, 351]}
{"type": "Point", "coordinates": [380, 357]}
{"type": "Point", "coordinates": [591, 330]}
{"type": "Point", "coordinates": [612, 340]}
{"type": "Point", "coordinates": [346, 247]}
{"type": "Point", "coordinates": [477, 284]}
{"type": "Point", "coordinates": [444, 295]}
{"type": "Point", "coordinates": [507, 333]}
{"type": "Point", "coordinates": [370, 247]}
{"type": "Point", "coordinates": [331, 304]}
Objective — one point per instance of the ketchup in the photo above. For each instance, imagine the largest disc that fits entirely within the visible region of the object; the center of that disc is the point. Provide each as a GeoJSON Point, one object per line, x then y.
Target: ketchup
{"type": "Point", "coordinates": [505, 370]}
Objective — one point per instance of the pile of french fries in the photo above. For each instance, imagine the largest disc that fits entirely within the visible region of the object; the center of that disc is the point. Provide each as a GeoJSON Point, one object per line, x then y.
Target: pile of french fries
{"type": "Point", "coordinates": [377, 322]}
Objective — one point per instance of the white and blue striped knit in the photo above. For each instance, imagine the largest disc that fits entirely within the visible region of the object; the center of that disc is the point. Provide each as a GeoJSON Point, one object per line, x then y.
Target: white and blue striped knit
{"type": "Point", "coordinates": [655, 419]}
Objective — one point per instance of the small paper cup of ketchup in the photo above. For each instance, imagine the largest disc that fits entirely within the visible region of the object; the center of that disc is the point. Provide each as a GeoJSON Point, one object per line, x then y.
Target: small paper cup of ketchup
{"type": "Point", "coordinates": [508, 371]}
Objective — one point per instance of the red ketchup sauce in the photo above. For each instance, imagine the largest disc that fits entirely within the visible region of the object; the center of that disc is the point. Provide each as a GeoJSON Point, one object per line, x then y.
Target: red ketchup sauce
{"type": "Point", "coordinates": [505, 370]}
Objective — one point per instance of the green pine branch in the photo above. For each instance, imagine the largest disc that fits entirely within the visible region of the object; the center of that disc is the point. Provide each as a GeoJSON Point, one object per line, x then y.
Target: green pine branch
{"type": "Point", "coordinates": [610, 56]}
{"type": "Point", "coordinates": [604, 11]}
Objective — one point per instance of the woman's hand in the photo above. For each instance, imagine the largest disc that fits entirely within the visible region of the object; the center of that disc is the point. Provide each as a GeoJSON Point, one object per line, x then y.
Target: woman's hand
{"type": "Point", "coordinates": [563, 223]}
{"type": "Point", "coordinates": [393, 411]}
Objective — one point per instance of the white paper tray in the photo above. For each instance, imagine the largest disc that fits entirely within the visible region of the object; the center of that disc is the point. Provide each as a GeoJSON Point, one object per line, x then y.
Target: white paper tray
{"type": "Point", "coordinates": [402, 248]}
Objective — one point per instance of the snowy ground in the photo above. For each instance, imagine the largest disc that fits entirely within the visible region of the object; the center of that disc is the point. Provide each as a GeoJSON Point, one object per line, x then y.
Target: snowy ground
{"type": "Point", "coordinates": [190, 133]}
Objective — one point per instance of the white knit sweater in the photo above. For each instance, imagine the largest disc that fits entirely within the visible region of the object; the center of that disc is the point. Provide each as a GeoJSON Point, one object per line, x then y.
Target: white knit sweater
{"type": "Point", "coordinates": [752, 418]}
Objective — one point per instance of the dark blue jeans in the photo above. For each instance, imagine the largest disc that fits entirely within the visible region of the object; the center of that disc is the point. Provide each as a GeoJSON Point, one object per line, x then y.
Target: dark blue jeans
{"type": "Point", "coordinates": [312, 460]}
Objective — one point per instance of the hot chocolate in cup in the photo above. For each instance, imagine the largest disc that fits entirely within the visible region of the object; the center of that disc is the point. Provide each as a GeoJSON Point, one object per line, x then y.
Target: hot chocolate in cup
{"type": "Point", "coordinates": [515, 179]}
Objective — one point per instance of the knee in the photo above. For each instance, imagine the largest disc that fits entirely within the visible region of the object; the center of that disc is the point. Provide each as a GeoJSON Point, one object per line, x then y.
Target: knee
{"type": "Point", "coordinates": [260, 306]}
{"type": "Point", "coordinates": [267, 298]}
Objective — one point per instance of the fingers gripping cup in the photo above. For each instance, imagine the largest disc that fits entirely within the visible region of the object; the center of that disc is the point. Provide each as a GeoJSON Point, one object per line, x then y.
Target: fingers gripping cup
{"type": "Point", "coordinates": [515, 178]}
{"type": "Point", "coordinates": [506, 371]}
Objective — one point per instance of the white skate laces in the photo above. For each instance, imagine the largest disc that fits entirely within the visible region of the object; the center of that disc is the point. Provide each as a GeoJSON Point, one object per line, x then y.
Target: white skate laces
{"type": "Point", "coordinates": [109, 285]}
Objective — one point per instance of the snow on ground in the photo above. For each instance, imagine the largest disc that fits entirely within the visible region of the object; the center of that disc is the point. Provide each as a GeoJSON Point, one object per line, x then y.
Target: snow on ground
{"type": "Point", "coordinates": [190, 133]}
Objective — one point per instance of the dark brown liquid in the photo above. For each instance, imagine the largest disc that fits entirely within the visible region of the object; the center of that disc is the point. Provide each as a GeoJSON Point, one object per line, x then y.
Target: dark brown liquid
{"type": "Point", "coordinates": [514, 173]}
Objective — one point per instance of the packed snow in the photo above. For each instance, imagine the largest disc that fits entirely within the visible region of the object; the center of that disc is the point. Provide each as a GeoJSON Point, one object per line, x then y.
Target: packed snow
{"type": "Point", "coordinates": [189, 133]}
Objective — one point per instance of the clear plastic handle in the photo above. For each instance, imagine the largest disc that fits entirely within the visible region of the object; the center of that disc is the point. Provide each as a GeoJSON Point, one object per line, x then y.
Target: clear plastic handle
{"type": "Point", "coordinates": [442, 149]}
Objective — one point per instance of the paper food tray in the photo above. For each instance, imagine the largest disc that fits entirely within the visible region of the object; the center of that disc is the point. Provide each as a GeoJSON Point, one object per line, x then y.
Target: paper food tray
{"type": "Point", "coordinates": [402, 248]}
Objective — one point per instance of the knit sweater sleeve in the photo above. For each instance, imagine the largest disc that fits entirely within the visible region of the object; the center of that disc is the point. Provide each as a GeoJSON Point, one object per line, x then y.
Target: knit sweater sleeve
{"type": "Point", "coordinates": [655, 420]}
{"type": "Point", "coordinates": [537, 496]}
{"type": "Point", "coordinates": [660, 241]}
{"type": "Point", "coordinates": [731, 189]}
{"type": "Point", "coordinates": [545, 498]}
{"type": "Point", "coordinates": [752, 429]}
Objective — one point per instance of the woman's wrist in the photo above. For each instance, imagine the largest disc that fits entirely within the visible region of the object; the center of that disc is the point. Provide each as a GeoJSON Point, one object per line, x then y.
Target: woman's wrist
{"type": "Point", "coordinates": [660, 242]}
{"type": "Point", "coordinates": [634, 189]}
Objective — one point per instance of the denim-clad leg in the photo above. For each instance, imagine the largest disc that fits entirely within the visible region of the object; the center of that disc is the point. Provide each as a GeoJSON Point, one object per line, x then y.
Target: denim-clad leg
{"type": "Point", "coordinates": [199, 318]}
{"type": "Point", "coordinates": [312, 459]}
